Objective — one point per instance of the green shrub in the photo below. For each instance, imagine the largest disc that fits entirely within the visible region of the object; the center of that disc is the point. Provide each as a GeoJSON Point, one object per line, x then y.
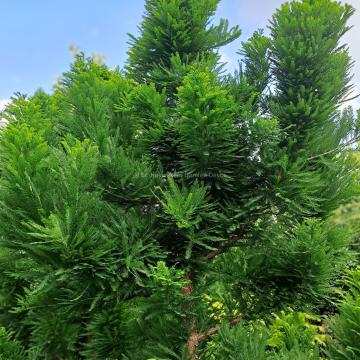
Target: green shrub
{"type": "Point", "coordinates": [239, 342]}
{"type": "Point", "coordinates": [345, 326]}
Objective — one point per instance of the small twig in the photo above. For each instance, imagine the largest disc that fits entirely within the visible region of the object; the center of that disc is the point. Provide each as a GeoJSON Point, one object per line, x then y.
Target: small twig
{"type": "Point", "coordinates": [338, 149]}
{"type": "Point", "coordinates": [349, 99]}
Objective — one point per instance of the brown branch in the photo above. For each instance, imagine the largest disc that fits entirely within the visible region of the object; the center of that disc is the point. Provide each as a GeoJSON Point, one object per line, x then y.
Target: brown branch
{"type": "Point", "coordinates": [222, 249]}
{"type": "Point", "coordinates": [233, 239]}
{"type": "Point", "coordinates": [188, 289]}
{"type": "Point", "coordinates": [195, 338]}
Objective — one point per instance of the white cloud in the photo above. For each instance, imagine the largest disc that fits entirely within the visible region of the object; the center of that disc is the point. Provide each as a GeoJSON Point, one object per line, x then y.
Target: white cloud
{"type": "Point", "coordinates": [3, 103]}
{"type": "Point", "coordinates": [226, 59]}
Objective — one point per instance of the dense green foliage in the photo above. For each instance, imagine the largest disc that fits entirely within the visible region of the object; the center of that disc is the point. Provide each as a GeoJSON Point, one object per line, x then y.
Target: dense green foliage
{"type": "Point", "coordinates": [172, 211]}
{"type": "Point", "coordinates": [346, 324]}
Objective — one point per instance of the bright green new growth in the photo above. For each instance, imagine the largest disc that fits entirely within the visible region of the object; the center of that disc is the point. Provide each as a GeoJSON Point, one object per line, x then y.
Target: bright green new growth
{"type": "Point", "coordinates": [10, 349]}
{"type": "Point", "coordinates": [169, 211]}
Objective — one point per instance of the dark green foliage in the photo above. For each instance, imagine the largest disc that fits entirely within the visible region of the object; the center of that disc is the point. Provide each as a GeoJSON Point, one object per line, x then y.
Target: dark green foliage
{"type": "Point", "coordinates": [297, 268]}
{"type": "Point", "coordinates": [126, 179]}
{"type": "Point", "coordinates": [142, 211]}
{"type": "Point", "coordinates": [190, 218]}
{"type": "Point", "coordinates": [256, 75]}
{"type": "Point", "coordinates": [207, 136]}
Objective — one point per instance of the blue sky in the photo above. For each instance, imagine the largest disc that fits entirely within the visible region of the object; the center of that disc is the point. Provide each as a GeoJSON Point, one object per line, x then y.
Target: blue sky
{"type": "Point", "coordinates": [36, 35]}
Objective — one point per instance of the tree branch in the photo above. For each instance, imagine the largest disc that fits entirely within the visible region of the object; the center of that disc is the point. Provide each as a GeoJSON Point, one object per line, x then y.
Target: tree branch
{"type": "Point", "coordinates": [195, 338]}
{"type": "Point", "coordinates": [222, 249]}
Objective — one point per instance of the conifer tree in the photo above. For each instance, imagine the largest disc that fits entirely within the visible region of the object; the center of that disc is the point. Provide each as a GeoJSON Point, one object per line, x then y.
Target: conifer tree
{"type": "Point", "coordinates": [312, 77]}
{"type": "Point", "coordinates": [173, 33]}
{"type": "Point", "coordinates": [169, 211]}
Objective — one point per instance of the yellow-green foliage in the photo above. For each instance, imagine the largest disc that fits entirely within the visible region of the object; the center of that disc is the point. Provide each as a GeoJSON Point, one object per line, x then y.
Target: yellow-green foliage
{"type": "Point", "coordinates": [291, 328]}
{"type": "Point", "coordinates": [217, 310]}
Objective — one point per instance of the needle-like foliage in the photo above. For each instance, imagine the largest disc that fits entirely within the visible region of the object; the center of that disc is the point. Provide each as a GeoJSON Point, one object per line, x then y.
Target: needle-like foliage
{"type": "Point", "coordinates": [168, 210]}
